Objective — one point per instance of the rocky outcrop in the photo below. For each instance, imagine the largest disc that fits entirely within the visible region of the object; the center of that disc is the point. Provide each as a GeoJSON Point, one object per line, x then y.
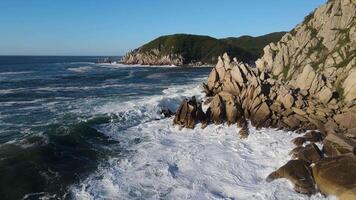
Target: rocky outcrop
{"type": "Point", "coordinates": [189, 113]}
{"type": "Point", "coordinates": [303, 83]}
{"type": "Point", "coordinates": [319, 55]}
{"type": "Point", "coordinates": [152, 57]}
{"type": "Point", "coordinates": [337, 176]}
{"type": "Point", "coordinates": [299, 173]}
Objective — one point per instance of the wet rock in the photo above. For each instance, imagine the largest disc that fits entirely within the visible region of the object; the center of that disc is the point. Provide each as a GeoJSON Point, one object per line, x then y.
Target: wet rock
{"type": "Point", "coordinates": [299, 173]}
{"type": "Point", "coordinates": [166, 112]}
{"type": "Point", "coordinates": [337, 176]}
{"type": "Point", "coordinates": [314, 136]}
{"type": "Point", "coordinates": [188, 113]}
{"type": "Point", "coordinates": [299, 141]}
{"type": "Point", "coordinates": [244, 132]}
{"type": "Point", "coordinates": [310, 153]}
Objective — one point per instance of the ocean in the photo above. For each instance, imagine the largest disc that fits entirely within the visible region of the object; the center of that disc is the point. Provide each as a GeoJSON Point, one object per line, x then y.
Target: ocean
{"type": "Point", "coordinates": [74, 129]}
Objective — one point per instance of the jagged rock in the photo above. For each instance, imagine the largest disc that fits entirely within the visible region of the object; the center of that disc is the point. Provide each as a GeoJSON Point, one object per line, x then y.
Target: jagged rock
{"type": "Point", "coordinates": [314, 136]}
{"type": "Point", "coordinates": [232, 109]}
{"type": "Point", "coordinates": [337, 176]}
{"type": "Point", "coordinates": [310, 153]}
{"type": "Point", "coordinates": [346, 119]}
{"type": "Point", "coordinates": [325, 95]}
{"type": "Point", "coordinates": [213, 78]}
{"type": "Point", "coordinates": [292, 122]}
{"type": "Point", "coordinates": [299, 111]}
{"type": "Point", "coordinates": [317, 56]}
{"type": "Point", "coordinates": [217, 109]}
{"type": "Point", "coordinates": [244, 132]}
{"type": "Point", "coordinates": [299, 141]}
{"type": "Point", "coordinates": [305, 80]}
{"type": "Point", "coordinates": [166, 112]}
{"type": "Point", "coordinates": [337, 144]}
{"type": "Point", "coordinates": [349, 85]}
{"type": "Point", "coordinates": [261, 115]}
{"type": "Point", "coordinates": [188, 113]}
{"type": "Point", "coordinates": [299, 173]}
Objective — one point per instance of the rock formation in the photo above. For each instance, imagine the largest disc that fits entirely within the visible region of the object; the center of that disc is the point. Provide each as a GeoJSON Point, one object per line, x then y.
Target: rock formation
{"type": "Point", "coordinates": [319, 55]}
{"type": "Point", "coordinates": [152, 57]}
{"type": "Point", "coordinates": [306, 81]}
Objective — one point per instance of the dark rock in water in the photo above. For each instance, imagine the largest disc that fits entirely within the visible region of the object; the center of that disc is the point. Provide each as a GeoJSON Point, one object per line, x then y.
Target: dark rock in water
{"type": "Point", "coordinates": [244, 132]}
{"type": "Point", "coordinates": [188, 113]}
{"type": "Point", "coordinates": [166, 112]}
{"type": "Point", "coordinates": [299, 141]}
{"type": "Point", "coordinates": [299, 173]}
{"type": "Point", "coordinates": [310, 136]}
{"type": "Point", "coordinates": [314, 136]}
{"type": "Point", "coordinates": [310, 153]}
{"type": "Point", "coordinates": [337, 176]}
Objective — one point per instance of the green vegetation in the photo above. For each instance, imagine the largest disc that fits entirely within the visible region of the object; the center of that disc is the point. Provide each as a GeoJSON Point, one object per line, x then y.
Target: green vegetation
{"type": "Point", "coordinates": [205, 49]}
{"type": "Point", "coordinates": [254, 45]}
{"type": "Point", "coordinates": [285, 71]}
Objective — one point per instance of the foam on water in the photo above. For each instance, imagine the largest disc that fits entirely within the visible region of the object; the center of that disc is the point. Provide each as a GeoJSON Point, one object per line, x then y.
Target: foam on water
{"type": "Point", "coordinates": [168, 163]}
{"type": "Point", "coordinates": [80, 69]}
{"type": "Point", "coordinates": [16, 73]}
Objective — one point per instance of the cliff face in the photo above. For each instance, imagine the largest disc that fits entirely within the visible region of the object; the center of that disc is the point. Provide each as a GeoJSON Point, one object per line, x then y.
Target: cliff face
{"type": "Point", "coordinates": [319, 55]}
{"type": "Point", "coordinates": [305, 81]}
{"type": "Point", "coordinates": [152, 57]}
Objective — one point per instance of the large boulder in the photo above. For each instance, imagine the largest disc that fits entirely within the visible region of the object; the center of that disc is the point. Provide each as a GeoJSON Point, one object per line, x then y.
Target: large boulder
{"type": "Point", "coordinates": [188, 113]}
{"type": "Point", "coordinates": [337, 144]}
{"type": "Point", "coordinates": [299, 173]}
{"type": "Point", "coordinates": [261, 115]}
{"type": "Point", "coordinates": [337, 176]}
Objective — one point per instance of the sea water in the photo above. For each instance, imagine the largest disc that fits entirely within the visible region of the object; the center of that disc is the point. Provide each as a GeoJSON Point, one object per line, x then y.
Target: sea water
{"type": "Point", "coordinates": [73, 129]}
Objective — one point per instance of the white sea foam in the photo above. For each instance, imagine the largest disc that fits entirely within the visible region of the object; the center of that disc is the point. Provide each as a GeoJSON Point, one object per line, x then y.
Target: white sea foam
{"type": "Point", "coordinates": [168, 163]}
{"type": "Point", "coordinates": [15, 73]}
{"type": "Point", "coordinates": [80, 69]}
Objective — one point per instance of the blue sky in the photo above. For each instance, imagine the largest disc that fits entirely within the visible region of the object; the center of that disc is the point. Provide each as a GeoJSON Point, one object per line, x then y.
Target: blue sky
{"type": "Point", "coordinates": [113, 27]}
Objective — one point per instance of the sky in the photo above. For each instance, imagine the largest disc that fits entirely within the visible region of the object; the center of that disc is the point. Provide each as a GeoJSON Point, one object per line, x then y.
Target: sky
{"type": "Point", "coordinates": [114, 27]}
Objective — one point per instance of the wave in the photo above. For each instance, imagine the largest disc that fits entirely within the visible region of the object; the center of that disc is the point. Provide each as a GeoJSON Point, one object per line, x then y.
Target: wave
{"type": "Point", "coordinates": [212, 163]}
{"type": "Point", "coordinates": [169, 163]}
{"type": "Point", "coordinates": [16, 73]}
{"type": "Point", "coordinates": [44, 165]}
{"type": "Point", "coordinates": [80, 69]}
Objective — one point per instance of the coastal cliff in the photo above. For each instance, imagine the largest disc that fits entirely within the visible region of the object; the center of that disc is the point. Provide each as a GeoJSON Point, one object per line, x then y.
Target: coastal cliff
{"type": "Point", "coordinates": [185, 49]}
{"type": "Point", "coordinates": [305, 83]}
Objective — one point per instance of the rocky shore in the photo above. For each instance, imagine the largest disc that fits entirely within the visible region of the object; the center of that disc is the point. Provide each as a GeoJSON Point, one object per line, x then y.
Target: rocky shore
{"type": "Point", "coordinates": [306, 83]}
{"type": "Point", "coordinates": [153, 58]}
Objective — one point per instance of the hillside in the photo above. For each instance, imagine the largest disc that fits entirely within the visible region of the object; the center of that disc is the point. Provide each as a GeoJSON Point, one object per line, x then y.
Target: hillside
{"type": "Point", "coordinates": [186, 49]}
{"type": "Point", "coordinates": [318, 55]}
{"type": "Point", "coordinates": [254, 45]}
